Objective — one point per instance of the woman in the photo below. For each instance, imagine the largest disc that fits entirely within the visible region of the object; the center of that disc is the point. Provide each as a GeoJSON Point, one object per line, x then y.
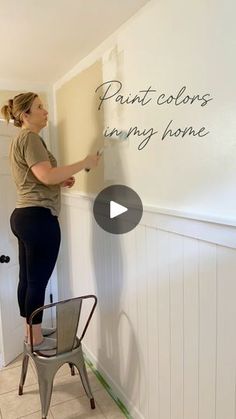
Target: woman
{"type": "Point", "coordinates": [35, 219]}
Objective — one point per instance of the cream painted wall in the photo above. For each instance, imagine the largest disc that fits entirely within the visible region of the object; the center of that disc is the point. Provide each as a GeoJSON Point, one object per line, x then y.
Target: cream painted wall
{"type": "Point", "coordinates": [80, 126]}
{"type": "Point", "coordinates": [166, 46]}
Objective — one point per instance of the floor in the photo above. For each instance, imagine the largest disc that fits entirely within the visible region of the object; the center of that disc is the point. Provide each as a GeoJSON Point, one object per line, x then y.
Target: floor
{"type": "Point", "coordinates": [68, 399]}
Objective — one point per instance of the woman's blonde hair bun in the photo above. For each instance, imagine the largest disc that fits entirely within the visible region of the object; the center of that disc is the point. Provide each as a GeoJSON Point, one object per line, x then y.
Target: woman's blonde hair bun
{"type": "Point", "coordinates": [19, 104]}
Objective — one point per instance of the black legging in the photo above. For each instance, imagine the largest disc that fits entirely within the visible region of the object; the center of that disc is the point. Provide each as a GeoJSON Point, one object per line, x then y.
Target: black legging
{"type": "Point", "coordinates": [39, 237]}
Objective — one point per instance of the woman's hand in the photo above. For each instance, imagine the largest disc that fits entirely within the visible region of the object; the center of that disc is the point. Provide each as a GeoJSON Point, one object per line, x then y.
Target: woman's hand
{"type": "Point", "coordinates": [68, 182]}
{"type": "Point", "coordinates": [91, 161]}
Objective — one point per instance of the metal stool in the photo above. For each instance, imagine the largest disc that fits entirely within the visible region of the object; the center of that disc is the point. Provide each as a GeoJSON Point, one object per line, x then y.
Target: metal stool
{"type": "Point", "coordinates": [68, 350]}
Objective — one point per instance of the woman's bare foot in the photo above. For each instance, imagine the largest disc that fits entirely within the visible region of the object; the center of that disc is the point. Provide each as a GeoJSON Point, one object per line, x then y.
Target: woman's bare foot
{"type": "Point", "coordinates": [37, 334]}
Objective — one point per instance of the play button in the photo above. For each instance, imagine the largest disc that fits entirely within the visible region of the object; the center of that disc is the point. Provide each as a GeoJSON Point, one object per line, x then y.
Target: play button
{"type": "Point", "coordinates": [118, 209]}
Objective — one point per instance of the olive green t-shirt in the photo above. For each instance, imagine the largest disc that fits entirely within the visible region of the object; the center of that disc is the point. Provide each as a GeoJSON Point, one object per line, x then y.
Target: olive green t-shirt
{"type": "Point", "coordinates": [27, 149]}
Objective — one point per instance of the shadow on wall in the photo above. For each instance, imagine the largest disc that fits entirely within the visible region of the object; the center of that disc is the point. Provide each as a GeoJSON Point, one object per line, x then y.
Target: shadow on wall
{"type": "Point", "coordinates": [64, 267]}
{"type": "Point", "coordinates": [117, 346]}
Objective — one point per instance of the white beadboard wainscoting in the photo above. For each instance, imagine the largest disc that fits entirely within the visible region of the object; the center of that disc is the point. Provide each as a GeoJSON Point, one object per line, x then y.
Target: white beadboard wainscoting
{"type": "Point", "coordinates": [164, 333]}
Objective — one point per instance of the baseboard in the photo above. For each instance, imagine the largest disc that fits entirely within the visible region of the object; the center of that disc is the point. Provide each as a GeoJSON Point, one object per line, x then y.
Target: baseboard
{"type": "Point", "coordinates": [129, 411]}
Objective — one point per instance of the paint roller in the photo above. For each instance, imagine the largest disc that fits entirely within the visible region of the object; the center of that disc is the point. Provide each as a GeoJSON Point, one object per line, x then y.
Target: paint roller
{"type": "Point", "coordinates": [123, 135]}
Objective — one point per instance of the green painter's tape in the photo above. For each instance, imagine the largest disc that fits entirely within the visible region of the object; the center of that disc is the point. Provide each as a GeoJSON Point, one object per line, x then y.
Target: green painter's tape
{"type": "Point", "coordinates": [119, 403]}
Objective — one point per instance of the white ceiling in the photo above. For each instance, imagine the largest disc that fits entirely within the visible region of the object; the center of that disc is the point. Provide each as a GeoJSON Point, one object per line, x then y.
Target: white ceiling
{"type": "Point", "coordinates": [42, 40]}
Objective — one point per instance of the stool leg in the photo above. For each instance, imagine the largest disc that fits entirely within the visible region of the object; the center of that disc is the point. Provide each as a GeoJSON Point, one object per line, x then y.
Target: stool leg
{"type": "Point", "coordinates": [72, 368]}
{"type": "Point", "coordinates": [84, 379]}
{"type": "Point", "coordinates": [24, 369]}
{"type": "Point", "coordinates": [45, 380]}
